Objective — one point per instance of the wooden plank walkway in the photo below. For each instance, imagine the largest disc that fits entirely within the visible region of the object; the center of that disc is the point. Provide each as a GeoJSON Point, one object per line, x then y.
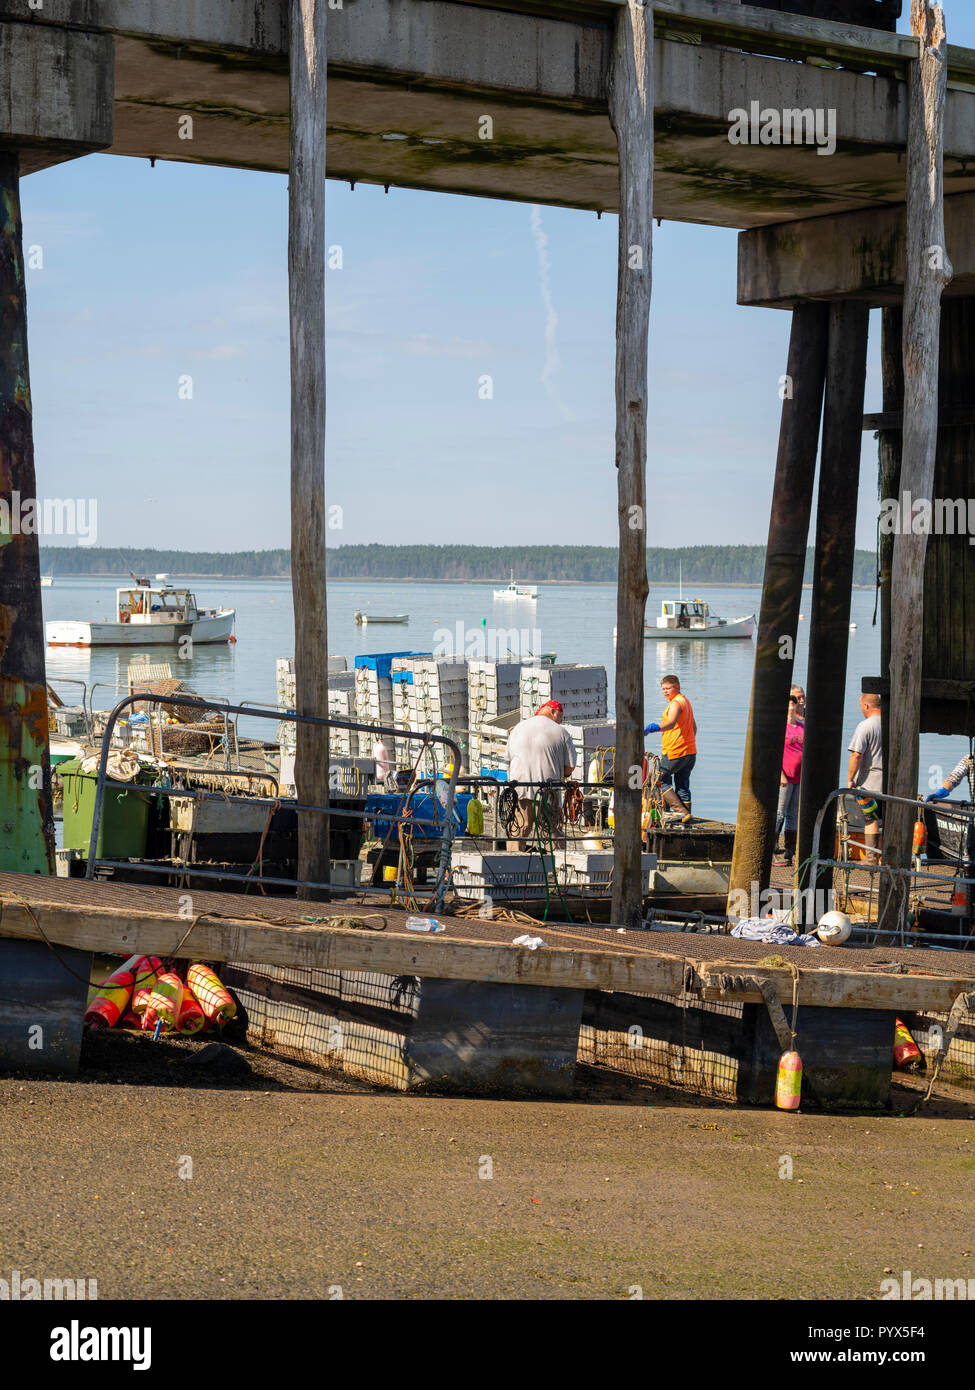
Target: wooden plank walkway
{"type": "Point", "coordinates": [125, 918]}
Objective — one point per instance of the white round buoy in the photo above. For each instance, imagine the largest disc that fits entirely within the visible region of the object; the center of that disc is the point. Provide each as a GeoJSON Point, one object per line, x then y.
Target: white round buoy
{"type": "Point", "coordinates": [834, 928]}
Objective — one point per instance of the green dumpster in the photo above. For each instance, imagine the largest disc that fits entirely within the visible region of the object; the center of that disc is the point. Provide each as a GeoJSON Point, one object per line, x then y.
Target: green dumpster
{"type": "Point", "coordinates": [125, 813]}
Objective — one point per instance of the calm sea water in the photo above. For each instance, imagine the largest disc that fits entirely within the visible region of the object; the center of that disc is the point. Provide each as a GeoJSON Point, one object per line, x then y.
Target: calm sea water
{"type": "Point", "coordinates": [576, 621]}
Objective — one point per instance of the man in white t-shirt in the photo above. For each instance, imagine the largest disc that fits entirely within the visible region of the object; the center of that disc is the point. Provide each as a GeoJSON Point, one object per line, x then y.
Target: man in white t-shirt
{"type": "Point", "coordinates": [866, 771]}
{"type": "Point", "coordinates": [539, 750]}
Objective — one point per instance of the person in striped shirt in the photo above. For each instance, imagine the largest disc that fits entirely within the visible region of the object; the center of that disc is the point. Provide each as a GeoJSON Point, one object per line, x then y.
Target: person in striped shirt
{"type": "Point", "coordinates": [965, 769]}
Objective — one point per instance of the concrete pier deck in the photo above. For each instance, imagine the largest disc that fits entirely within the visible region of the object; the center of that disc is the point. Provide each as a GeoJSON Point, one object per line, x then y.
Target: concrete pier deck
{"type": "Point", "coordinates": [410, 83]}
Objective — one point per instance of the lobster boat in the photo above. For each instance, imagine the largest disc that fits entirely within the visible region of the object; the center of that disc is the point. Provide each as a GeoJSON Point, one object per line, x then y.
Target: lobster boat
{"type": "Point", "coordinates": [148, 614]}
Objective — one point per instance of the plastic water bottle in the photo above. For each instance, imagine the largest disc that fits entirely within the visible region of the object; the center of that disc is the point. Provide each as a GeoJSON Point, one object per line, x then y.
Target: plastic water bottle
{"type": "Point", "coordinates": [424, 924]}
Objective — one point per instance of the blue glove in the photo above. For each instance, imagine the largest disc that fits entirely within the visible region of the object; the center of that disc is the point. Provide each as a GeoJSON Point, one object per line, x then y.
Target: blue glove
{"type": "Point", "coordinates": [939, 795]}
{"type": "Point", "coordinates": [652, 729]}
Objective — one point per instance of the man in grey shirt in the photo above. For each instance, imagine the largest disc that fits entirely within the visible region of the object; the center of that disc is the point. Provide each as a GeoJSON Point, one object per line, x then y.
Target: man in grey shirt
{"type": "Point", "coordinates": [539, 750]}
{"type": "Point", "coordinates": [866, 771]}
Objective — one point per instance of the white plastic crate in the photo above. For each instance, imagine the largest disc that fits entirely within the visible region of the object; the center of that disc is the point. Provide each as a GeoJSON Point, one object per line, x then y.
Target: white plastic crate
{"type": "Point", "coordinates": [581, 691]}
{"type": "Point", "coordinates": [506, 876]}
{"type": "Point", "coordinates": [340, 683]}
{"type": "Point", "coordinates": [493, 688]}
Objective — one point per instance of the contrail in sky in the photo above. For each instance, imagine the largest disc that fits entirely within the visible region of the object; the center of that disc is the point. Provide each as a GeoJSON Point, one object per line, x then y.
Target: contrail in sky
{"type": "Point", "coordinates": [552, 363]}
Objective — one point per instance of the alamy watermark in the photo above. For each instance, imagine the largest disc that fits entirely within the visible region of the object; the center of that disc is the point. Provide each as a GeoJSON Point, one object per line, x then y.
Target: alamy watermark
{"type": "Point", "coordinates": [488, 643]}
{"type": "Point", "coordinates": [21, 1288]}
{"type": "Point", "coordinates": [805, 906]}
{"type": "Point", "coordinates": [927, 1290]}
{"type": "Point", "coordinates": [50, 516]}
{"type": "Point", "coordinates": [923, 516]}
{"type": "Point", "coordinates": [766, 126]}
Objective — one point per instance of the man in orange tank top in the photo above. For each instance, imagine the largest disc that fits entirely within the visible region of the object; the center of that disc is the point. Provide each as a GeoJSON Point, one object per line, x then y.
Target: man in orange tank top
{"type": "Point", "coordinates": [677, 728]}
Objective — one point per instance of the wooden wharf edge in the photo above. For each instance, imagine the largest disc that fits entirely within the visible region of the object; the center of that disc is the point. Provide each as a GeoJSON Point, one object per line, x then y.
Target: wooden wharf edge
{"type": "Point", "coordinates": [615, 968]}
{"type": "Point", "coordinates": [336, 948]}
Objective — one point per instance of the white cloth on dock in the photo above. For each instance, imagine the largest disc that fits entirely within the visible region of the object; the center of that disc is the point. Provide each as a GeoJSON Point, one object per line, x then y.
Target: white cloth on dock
{"type": "Point", "coordinates": [775, 933]}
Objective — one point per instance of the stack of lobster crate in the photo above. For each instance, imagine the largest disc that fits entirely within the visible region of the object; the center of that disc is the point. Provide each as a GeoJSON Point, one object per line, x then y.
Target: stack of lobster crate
{"type": "Point", "coordinates": [581, 691]}
{"type": "Point", "coordinates": [430, 697]}
{"type": "Point", "coordinates": [493, 689]}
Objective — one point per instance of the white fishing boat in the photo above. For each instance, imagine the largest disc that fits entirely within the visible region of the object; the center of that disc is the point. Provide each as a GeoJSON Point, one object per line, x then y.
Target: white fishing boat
{"type": "Point", "coordinates": [680, 618]}
{"type": "Point", "coordinates": [148, 615]}
{"type": "Point", "coordinates": [363, 619]}
{"type": "Point", "coordinates": [513, 590]}
{"type": "Point", "coordinates": [47, 581]}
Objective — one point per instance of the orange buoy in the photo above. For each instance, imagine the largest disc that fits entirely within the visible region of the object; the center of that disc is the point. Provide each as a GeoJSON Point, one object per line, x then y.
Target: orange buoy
{"type": "Point", "coordinates": [920, 837]}
{"type": "Point", "coordinates": [788, 1081]}
{"type": "Point", "coordinates": [907, 1054]}
{"type": "Point", "coordinates": [210, 994]}
{"type": "Point", "coordinates": [113, 996]}
{"type": "Point", "coordinates": [191, 1017]}
{"type": "Point", "coordinates": [164, 1001]}
{"type": "Point", "coordinates": [147, 970]}
{"type": "Point", "coordinates": [115, 993]}
{"type": "Point", "coordinates": [140, 1000]}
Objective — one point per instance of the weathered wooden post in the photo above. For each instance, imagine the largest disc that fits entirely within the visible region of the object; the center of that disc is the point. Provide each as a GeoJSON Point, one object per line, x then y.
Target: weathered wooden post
{"type": "Point", "coordinates": [889, 469]}
{"type": "Point", "coordinates": [829, 625]}
{"type": "Point", "coordinates": [631, 114]}
{"type": "Point", "coordinates": [785, 558]}
{"type": "Point", "coordinates": [41, 1002]}
{"type": "Point", "coordinates": [26, 811]}
{"type": "Point", "coordinates": [928, 271]}
{"type": "Point", "coordinates": [306, 283]}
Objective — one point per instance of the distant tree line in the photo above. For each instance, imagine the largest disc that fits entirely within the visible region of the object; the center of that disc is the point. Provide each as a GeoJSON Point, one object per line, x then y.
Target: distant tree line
{"type": "Point", "coordinates": [94, 560]}
{"type": "Point", "coordinates": [702, 564]}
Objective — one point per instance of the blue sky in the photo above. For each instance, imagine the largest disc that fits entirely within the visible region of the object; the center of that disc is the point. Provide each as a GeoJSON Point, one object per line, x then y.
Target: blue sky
{"type": "Point", "coordinates": [153, 274]}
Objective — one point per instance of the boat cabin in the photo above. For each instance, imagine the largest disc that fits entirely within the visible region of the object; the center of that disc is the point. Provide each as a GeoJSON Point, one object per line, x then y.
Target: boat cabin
{"type": "Point", "coordinates": [147, 603]}
{"type": "Point", "coordinates": [684, 614]}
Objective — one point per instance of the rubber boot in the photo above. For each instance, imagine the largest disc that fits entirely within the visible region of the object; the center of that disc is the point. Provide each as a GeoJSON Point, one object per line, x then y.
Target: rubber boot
{"type": "Point", "coordinates": [790, 837]}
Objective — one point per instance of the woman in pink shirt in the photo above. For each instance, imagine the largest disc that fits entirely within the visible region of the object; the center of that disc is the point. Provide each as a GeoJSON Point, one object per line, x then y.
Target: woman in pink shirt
{"type": "Point", "coordinates": [787, 814]}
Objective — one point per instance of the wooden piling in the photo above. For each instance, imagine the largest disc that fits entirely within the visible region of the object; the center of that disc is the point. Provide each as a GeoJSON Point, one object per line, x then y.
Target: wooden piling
{"type": "Point", "coordinates": [26, 808]}
{"type": "Point", "coordinates": [889, 450]}
{"type": "Point", "coordinates": [829, 617]}
{"type": "Point", "coordinates": [631, 115]}
{"type": "Point", "coordinates": [785, 559]}
{"type": "Point", "coordinates": [42, 1002]}
{"type": "Point", "coordinates": [928, 272]}
{"type": "Point", "coordinates": [306, 284]}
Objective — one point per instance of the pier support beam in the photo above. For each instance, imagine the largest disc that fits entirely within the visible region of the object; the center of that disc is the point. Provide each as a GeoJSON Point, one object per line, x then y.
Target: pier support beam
{"type": "Point", "coordinates": [829, 625]}
{"type": "Point", "coordinates": [631, 114]}
{"type": "Point", "coordinates": [26, 810]}
{"type": "Point", "coordinates": [41, 1003]}
{"type": "Point", "coordinates": [778, 621]}
{"type": "Point", "coordinates": [306, 284]}
{"type": "Point", "coordinates": [928, 272]}
{"type": "Point", "coordinates": [889, 451]}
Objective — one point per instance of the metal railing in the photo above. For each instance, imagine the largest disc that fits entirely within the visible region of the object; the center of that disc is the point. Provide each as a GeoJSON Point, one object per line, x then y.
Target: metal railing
{"type": "Point", "coordinates": [445, 825]}
{"type": "Point", "coordinates": [919, 881]}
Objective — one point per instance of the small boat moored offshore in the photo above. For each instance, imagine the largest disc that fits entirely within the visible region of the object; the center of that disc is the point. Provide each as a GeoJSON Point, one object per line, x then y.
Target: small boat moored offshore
{"type": "Point", "coordinates": [366, 618]}
{"type": "Point", "coordinates": [148, 615]}
{"type": "Point", "coordinates": [680, 618]}
{"type": "Point", "coordinates": [513, 590]}
{"type": "Point", "coordinates": [47, 581]}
